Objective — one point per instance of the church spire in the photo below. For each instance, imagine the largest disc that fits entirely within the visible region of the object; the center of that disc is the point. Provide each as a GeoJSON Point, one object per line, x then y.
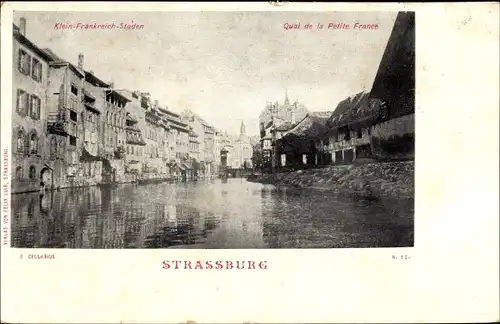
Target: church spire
{"type": "Point", "coordinates": [287, 101]}
{"type": "Point", "coordinates": [242, 129]}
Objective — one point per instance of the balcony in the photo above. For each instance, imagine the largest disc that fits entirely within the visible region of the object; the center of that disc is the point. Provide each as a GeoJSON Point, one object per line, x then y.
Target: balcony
{"type": "Point", "coordinates": [57, 124]}
{"type": "Point", "coordinates": [119, 152]}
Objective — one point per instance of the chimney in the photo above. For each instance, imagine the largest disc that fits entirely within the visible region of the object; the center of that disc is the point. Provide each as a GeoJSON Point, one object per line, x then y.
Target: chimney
{"type": "Point", "coordinates": [111, 84]}
{"type": "Point", "coordinates": [156, 103]}
{"type": "Point", "coordinates": [80, 61]}
{"type": "Point", "coordinates": [22, 26]}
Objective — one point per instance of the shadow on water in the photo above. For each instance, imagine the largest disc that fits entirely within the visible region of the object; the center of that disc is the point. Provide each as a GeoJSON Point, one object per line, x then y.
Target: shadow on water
{"type": "Point", "coordinates": [207, 214]}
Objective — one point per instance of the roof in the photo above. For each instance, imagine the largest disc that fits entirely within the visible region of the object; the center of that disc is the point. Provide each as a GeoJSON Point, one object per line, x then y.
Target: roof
{"type": "Point", "coordinates": [129, 117]}
{"type": "Point", "coordinates": [313, 125]}
{"type": "Point", "coordinates": [284, 127]}
{"type": "Point", "coordinates": [95, 81]}
{"type": "Point", "coordinates": [118, 95]}
{"type": "Point", "coordinates": [201, 120]}
{"type": "Point", "coordinates": [169, 112]}
{"type": "Point", "coordinates": [396, 71]}
{"type": "Point", "coordinates": [57, 61]}
{"type": "Point", "coordinates": [24, 40]}
{"type": "Point", "coordinates": [354, 110]}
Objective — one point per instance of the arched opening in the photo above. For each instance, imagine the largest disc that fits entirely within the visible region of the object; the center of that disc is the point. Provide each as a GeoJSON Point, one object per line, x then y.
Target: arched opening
{"type": "Point", "coordinates": [32, 172]}
{"type": "Point", "coordinates": [20, 141]}
{"type": "Point", "coordinates": [53, 148]}
{"type": "Point", "coordinates": [33, 143]}
{"type": "Point", "coordinates": [46, 176]}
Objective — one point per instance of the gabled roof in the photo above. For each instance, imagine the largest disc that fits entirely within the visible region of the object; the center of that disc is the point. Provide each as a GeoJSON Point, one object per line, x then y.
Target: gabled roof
{"type": "Point", "coordinates": [358, 108]}
{"type": "Point", "coordinates": [396, 72]}
{"type": "Point", "coordinates": [313, 125]}
{"type": "Point", "coordinates": [57, 62]}
{"type": "Point", "coordinates": [24, 40]}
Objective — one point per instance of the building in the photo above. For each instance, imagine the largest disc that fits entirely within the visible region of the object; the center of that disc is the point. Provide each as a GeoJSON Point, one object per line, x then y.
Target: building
{"type": "Point", "coordinates": [194, 152]}
{"type": "Point", "coordinates": [282, 113]}
{"type": "Point", "coordinates": [134, 125]}
{"type": "Point", "coordinates": [349, 129]}
{"type": "Point", "coordinates": [243, 151]}
{"type": "Point", "coordinates": [206, 135]}
{"type": "Point", "coordinates": [379, 125]}
{"type": "Point", "coordinates": [114, 135]}
{"type": "Point", "coordinates": [224, 150]}
{"type": "Point", "coordinates": [65, 114]}
{"type": "Point", "coordinates": [393, 135]}
{"type": "Point", "coordinates": [178, 139]}
{"type": "Point", "coordinates": [135, 146]}
{"type": "Point", "coordinates": [153, 163]}
{"type": "Point", "coordinates": [30, 81]}
{"type": "Point", "coordinates": [296, 147]}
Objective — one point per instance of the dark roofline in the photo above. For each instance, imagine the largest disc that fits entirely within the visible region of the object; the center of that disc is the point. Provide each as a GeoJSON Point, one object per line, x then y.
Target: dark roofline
{"type": "Point", "coordinates": [24, 40]}
{"type": "Point", "coordinates": [71, 67]}
{"type": "Point", "coordinates": [95, 81]}
{"type": "Point", "coordinates": [398, 60]}
{"type": "Point", "coordinates": [111, 91]}
{"type": "Point", "coordinates": [169, 112]}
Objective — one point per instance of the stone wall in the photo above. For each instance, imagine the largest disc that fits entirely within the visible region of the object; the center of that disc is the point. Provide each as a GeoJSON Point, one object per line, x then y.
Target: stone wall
{"type": "Point", "coordinates": [394, 139]}
{"type": "Point", "coordinates": [394, 179]}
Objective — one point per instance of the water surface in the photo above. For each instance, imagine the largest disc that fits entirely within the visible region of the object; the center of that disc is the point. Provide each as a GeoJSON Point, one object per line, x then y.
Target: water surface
{"type": "Point", "coordinates": [230, 213]}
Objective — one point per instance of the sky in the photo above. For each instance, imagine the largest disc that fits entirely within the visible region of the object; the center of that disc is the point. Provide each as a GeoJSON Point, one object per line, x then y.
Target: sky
{"type": "Point", "coordinates": [223, 66]}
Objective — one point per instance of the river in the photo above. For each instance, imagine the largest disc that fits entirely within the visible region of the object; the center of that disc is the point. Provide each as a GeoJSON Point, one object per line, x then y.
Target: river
{"type": "Point", "coordinates": [228, 214]}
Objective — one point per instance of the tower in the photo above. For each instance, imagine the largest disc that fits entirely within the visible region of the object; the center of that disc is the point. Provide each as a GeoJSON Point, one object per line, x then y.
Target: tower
{"type": "Point", "coordinates": [287, 101]}
{"type": "Point", "coordinates": [242, 129]}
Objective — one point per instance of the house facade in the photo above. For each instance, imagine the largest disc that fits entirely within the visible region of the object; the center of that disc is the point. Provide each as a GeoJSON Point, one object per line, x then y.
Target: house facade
{"type": "Point", "coordinates": [29, 113]}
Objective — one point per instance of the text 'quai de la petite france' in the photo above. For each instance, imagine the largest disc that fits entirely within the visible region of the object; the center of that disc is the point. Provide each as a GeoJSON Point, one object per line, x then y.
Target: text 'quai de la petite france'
{"type": "Point", "coordinates": [331, 26]}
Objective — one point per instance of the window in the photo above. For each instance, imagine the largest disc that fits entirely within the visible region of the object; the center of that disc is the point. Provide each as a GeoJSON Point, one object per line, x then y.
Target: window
{"type": "Point", "coordinates": [32, 172]}
{"type": "Point", "coordinates": [36, 70]}
{"type": "Point", "coordinates": [20, 141]}
{"type": "Point", "coordinates": [19, 173]}
{"type": "Point", "coordinates": [73, 104]}
{"type": "Point", "coordinates": [22, 102]}
{"type": "Point", "coordinates": [53, 148]}
{"type": "Point", "coordinates": [33, 143]}
{"type": "Point", "coordinates": [34, 107]}
{"type": "Point", "coordinates": [74, 90]}
{"type": "Point", "coordinates": [73, 115]}
{"type": "Point", "coordinates": [72, 140]}
{"type": "Point", "coordinates": [359, 133]}
{"type": "Point", "coordinates": [24, 62]}
{"type": "Point", "coordinates": [369, 130]}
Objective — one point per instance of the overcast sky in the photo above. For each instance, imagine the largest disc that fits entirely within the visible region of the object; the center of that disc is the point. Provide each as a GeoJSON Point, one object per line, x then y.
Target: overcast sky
{"type": "Point", "coordinates": [223, 65]}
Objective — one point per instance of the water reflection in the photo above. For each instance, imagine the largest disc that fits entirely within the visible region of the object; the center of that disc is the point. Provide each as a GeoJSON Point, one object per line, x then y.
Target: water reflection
{"type": "Point", "coordinates": [214, 214]}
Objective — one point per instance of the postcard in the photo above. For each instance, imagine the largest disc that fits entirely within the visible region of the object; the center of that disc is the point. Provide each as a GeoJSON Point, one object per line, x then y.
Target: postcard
{"type": "Point", "coordinates": [249, 162]}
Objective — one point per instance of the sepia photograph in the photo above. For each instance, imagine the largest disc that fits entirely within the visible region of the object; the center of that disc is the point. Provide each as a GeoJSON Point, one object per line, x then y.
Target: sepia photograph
{"type": "Point", "coordinates": [213, 130]}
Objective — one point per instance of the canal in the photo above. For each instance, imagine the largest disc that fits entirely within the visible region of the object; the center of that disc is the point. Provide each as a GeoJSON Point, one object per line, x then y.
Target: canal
{"type": "Point", "coordinates": [229, 214]}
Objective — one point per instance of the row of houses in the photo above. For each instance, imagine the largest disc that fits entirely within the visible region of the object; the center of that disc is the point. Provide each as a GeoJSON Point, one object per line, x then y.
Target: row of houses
{"type": "Point", "coordinates": [71, 128]}
{"type": "Point", "coordinates": [376, 125]}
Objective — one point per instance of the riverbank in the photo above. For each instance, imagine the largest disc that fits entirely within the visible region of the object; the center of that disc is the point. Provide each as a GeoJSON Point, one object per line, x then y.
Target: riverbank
{"type": "Point", "coordinates": [374, 180]}
{"type": "Point", "coordinates": [125, 179]}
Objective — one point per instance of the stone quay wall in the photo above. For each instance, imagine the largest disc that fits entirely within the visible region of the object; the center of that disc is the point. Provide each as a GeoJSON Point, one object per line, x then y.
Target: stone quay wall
{"type": "Point", "coordinates": [391, 180]}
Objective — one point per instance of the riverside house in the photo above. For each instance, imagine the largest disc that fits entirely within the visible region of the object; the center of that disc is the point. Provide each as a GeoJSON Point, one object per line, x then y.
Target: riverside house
{"type": "Point", "coordinates": [393, 137]}
{"type": "Point", "coordinates": [295, 148]}
{"type": "Point", "coordinates": [379, 125]}
{"type": "Point", "coordinates": [30, 79]}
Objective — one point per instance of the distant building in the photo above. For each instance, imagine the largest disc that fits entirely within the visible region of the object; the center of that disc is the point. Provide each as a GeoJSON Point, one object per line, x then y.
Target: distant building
{"type": "Point", "coordinates": [281, 113]}
{"type": "Point", "coordinates": [206, 133]}
{"type": "Point", "coordinates": [242, 154]}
